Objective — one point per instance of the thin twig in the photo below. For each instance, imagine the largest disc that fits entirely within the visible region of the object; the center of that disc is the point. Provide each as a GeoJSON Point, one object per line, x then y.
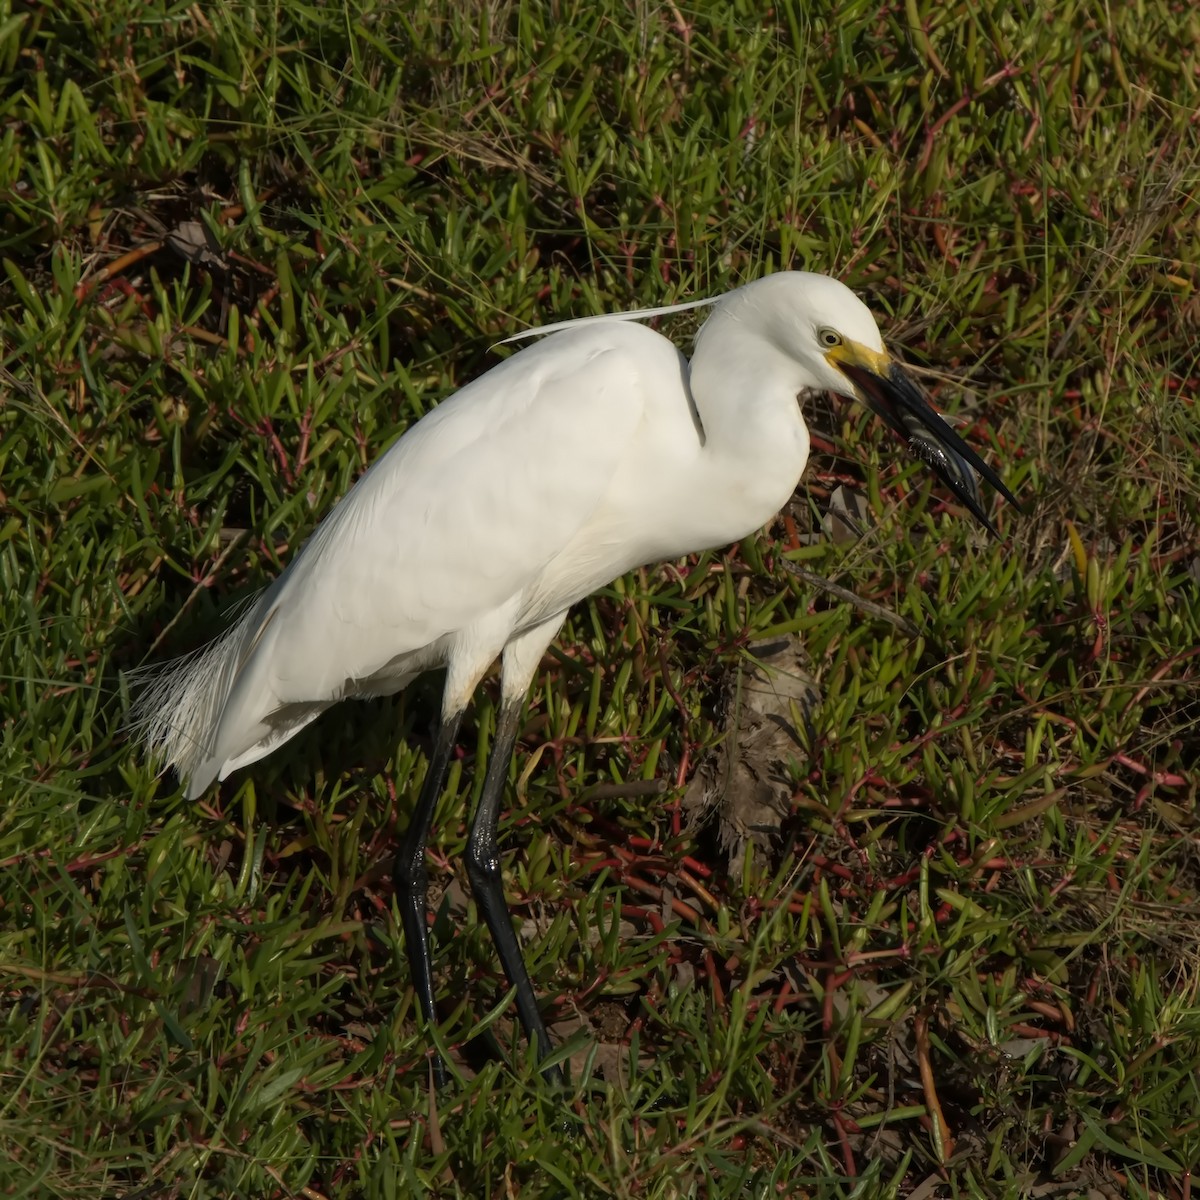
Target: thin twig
{"type": "Point", "coordinates": [868, 606]}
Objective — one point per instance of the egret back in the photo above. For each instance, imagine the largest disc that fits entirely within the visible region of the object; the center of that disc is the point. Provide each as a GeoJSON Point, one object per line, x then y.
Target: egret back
{"type": "Point", "coordinates": [455, 524]}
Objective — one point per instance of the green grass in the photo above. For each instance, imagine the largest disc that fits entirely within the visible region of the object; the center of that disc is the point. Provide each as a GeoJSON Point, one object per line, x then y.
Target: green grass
{"type": "Point", "coordinates": [246, 245]}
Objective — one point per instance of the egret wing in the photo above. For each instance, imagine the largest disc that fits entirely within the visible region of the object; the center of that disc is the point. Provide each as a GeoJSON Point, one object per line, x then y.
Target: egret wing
{"type": "Point", "coordinates": [462, 514]}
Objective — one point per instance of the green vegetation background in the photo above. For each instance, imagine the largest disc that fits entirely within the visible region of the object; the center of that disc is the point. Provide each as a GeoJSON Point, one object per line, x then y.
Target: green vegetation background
{"type": "Point", "coordinates": [245, 245]}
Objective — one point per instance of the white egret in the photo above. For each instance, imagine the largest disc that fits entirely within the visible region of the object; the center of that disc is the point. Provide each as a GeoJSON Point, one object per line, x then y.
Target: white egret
{"type": "Point", "coordinates": [592, 452]}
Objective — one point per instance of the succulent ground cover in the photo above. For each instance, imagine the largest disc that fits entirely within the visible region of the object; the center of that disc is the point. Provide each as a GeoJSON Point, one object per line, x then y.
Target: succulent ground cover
{"type": "Point", "coordinates": [858, 859]}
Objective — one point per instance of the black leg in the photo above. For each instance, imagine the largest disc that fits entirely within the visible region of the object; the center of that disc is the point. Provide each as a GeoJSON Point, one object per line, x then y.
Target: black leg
{"type": "Point", "coordinates": [483, 870]}
{"type": "Point", "coordinates": [412, 879]}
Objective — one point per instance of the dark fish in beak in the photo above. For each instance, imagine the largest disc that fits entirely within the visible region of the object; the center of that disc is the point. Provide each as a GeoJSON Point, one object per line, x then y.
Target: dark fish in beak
{"type": "Point", "coordinates": [897, 399]}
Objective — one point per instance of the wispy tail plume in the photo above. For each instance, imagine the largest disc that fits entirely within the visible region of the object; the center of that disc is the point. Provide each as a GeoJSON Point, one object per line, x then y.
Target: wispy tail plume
{"type": "Point", "coordinates": [178, 705]}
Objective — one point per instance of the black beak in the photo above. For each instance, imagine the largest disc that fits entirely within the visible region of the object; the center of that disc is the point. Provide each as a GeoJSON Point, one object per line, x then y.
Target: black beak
{"type": "Point", "coordinates": [898, 400]}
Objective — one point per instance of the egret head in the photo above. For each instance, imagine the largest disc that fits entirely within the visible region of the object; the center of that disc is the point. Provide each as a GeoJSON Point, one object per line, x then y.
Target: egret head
{"type": "Point", "coordinates": [832, 336]}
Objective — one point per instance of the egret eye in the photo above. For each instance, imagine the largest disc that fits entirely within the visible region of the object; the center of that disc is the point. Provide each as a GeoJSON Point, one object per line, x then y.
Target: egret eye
{"type": "Point", "coordinates": [829, 338]}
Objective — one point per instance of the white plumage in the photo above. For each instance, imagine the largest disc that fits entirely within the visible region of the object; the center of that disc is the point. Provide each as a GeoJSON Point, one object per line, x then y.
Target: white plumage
{"type": "Point", "coordinates": [579, 458]}
{"type": "Point", "coordinates": [592, 452]}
